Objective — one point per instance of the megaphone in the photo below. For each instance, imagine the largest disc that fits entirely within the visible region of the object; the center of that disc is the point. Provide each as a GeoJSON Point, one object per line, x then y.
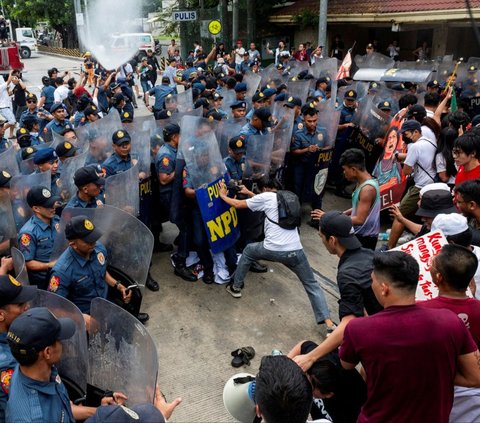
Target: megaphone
{"type": "Point", "coordinates": [239, 397]}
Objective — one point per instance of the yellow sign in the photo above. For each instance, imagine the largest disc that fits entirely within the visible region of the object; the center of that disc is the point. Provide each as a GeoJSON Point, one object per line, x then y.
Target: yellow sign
{"type": "Point", "coordinates": [215, 27]}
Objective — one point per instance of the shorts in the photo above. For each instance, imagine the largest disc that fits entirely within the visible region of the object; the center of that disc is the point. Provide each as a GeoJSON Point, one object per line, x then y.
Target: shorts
{"type": "Point", "coordinates": [7, 113]}
{"type": "Point", "coordinates": [409, 204]}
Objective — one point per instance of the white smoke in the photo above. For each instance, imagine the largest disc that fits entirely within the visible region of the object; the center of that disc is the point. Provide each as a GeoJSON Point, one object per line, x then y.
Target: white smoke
{"type": "Point", "coordinates": [106, 19]}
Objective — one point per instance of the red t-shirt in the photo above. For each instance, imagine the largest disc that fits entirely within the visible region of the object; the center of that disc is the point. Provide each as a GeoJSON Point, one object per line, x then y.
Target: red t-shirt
{"type": "Point", "coordinates": [463, 175]}
{"type": "Point", "coordinates": [468, 309]}
{"type": "Point", "coordinates": [409, 354]}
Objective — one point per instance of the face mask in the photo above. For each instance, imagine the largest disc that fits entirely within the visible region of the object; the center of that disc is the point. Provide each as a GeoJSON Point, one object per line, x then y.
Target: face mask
{"type": "Point", "coordinates": [34, 134]}
{"type": "Point", "coordinates": [406, 139]}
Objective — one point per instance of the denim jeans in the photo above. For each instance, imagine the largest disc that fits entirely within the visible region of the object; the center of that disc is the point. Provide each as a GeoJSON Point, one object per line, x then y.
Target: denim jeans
{"type": "Point", "coordinates": [146, 85]}
{"type": "Point", "coordinates": [297, 262]}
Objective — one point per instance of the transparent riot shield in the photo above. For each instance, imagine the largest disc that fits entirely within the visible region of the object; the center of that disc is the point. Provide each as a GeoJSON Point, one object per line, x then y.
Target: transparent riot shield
{"type": "Point", "coordinates": [328, 118]}
{"type": "Point", "coordinates": [140, 145]}
{"type": "Point", "coordinates": [65, 184]}
{"type": "Point", "coordinates": [8, 162]}
{"type": "Point", "coordinates": [98, 136]}
{"type": "Point", "coordinates": [267, 74]}
{"type": "Point", "coordinates": [282, 134]}
{"type": "Point", "coordinates": [230, 128]}
{"type": "Point", "coordinates": [146, 123]}
{"type": "Point", "coordinates": [258, 156]}
{"type": "Point", "coordinates": [185, 101]}
{"type": "Point", "coordinates": [326, 67]}
{"type": "Point", "coordinates": [229, 98]}
{"type": "Point", "coordinates": [372, 66]}
{"type": "Point", "coordinates": [253, 81]}
{"type": "Point", "coordinates": [122, 190]}
{"type": "Point", "coordinates": [8, 230]}
{"type": "Point", "coordinates": [384, 94]}
{"type": "Point", "coordinates": [203, 159]}
{"type": "Point", "coordinates": [296, 67]}
{"type": "Point", "coordinates": [122, 354]}
{"type": "Point", "coordinates": [359, 86]}
{"type": "Point", "coordinates": [418, 72]}
{"type": "Point", "coordinates": [128, 241]}
{"type": "Point", "coordinates": [19, 187]}
{"type": "Point", "coordinates": [81, 144]}
{"type": "Point", "coordinates": [298, 88]}
{"type": "Point", "coordinates": [21, 273]}
{"type": "Point", "coordinates": [73, 365]}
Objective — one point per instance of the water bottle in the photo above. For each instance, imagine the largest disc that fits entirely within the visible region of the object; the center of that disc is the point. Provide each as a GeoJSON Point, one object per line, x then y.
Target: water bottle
{"type": "Point", "coordinates": [383, 236]}
{"type": "Point", "coordinates": [276, 351]}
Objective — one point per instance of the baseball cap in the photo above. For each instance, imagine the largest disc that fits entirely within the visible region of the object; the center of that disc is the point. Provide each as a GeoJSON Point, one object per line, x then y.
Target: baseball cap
{"type": "Point", "coordinates": [217, 96]}
{"type": "Point", "coordinates": [435, 202]}
{"type": "Point", "coordinates": [268, 92]}
{"type": "Point", "coordinates": [36, 329]}
{"type": "Point", "coordinates": [350, 95]}
{"type": "Point", "coordinates": [258, 97]}
{"type": "Point", "coordinates": [384, 105]}
{"type": "Point", "coordinates": [5, 177]}
{"type": "Point", "coordinates": [126, 117]}
{"type": "Point", "coordinates": [417, 111]}
{"type": "Point", "coordinates": [86, 175]}
{"type": "Point", "coordinates": [80, 227]}
{"type": "Point", "coordinates": [292, 102]}
{"type": "Point", "coordinates": [214, 115]}
{"type": "Point", "coordinates": [41, 196]}
{"type": "Point", "coordinates": [373, 86]}
{"type": "Point", "coordinates": [145, 413]}
{"type": "Point", "coordinates": [411, 125]}
{"type": "Point", "coordinates": [118, 97]}
{"type": "Point", "coordinates": [201, 102]}
{"type": "Point", "coordinates": [44, 155]}
{"type": "Point", "coordinates": [280, 97]}
{"type": "Point", "coordinates": [340, 226]}
{"type": "Point", "coordinates": [263, 113]}
{"type": "Point", "coordinates": [121, 136]}
{"type": "Point", "coordinates": [22, 133]}
{"type": "Point", "coordinates": [323, 80]}
{"type": "Point", "coordinates": [171, 129]}
{"type": "Point", "coordinates": [163, 114]}
{"type": "Point", "coordinates": [237, 144]}
{"type": "Point", "coordinates": [165, 80]}
{"type": "Point", "coordinates": [240, 87]}
{"type": "Point", "coordinates": [32, 97]}
{"type": "Point", "coordinates": [238, 105]}
{"type": "Point", "coordinates": [65, 149]}
{"type": "Point", "coordinates": [90, 110]}
{"type": "Point", "coordinates": [433, 84]}
{"type": "Point", "coordinates": [27, 152]}
{"type": "Point", "coordinates": [55, 107]}
{"type": "Point", "coordinates": [13, 292]}
{"type": "Point", "coordinates": [450, 224]}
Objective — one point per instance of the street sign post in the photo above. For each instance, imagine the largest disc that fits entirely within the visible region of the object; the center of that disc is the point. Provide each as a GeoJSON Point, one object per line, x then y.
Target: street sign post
{"type": "Point", "coordinates": [183, 16]}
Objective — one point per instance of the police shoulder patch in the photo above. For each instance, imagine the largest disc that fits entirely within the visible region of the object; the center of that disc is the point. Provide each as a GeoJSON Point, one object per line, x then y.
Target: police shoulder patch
{"type": "Point", "coordinates": [25, 240]}
{"type": "Point", "coordinates": [101, 258]}
{"type": "Point", "coordinates": [53, 284]}
{"type": "Point", "coordinates": [5, 379]}
{"type": "Point", "coordinates": [300, 126]}
{"type": "Point", "coordinates": [5, 174]}
{"type": "Point", "coordinates": [165, 161]}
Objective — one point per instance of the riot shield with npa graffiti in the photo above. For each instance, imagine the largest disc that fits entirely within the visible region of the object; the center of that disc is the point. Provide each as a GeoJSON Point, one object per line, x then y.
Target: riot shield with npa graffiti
{"type": "Point", "coordinates": [371, 125]}
{"type": "Point", "coordinates": [122, 190]}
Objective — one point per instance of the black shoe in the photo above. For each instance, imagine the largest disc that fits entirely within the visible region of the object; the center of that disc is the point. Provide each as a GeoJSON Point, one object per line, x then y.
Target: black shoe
{"type": "Point", "coordinates": [342, 193]}
{"type": "Point", "coordinates": [314, 223]}
{"type": "Point", "coordinates": [143, 317]}
{"type": "Point", "coordinates": [152, 284]}
{"type": "Point", "coordinates": [185, 274]}
{"type": "Point", "coordinates": [208, 278]}
{"type": "Point", "coordinates": [161, 247]}
{"type": "Point", "coordinates": [256, 267]}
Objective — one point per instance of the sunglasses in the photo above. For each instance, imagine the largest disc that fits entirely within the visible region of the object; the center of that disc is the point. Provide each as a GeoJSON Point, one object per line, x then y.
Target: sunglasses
{"type": "Point", "coordinates": [31, 101]}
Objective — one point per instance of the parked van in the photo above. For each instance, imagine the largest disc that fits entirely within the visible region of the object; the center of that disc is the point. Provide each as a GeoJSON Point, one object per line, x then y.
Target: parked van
{"type": "Point", "coordinates": [141, 40]}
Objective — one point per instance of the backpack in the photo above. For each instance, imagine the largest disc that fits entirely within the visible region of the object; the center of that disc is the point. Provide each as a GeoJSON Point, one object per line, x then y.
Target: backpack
{"type": "Point", "coordinates": [289, 210]}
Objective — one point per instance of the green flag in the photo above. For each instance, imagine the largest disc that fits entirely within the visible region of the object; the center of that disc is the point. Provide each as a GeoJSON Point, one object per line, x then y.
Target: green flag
{"type": "Point", "coordinates": [453, 102]}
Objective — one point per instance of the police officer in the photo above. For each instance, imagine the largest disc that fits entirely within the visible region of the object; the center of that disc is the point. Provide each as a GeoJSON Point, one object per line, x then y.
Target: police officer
{"type": "Point", "coordinates": [23, 138]}
{"type": "Point", "coordinates": [259, 124]}
{"type": "Point", "coordinates": [165, 164]}
{"type": "Point", "coordinates": [433, 87]}
{"type": "Point", "coordinates": [385, 106]}
{"type": "Point", "coordinates": [36, 237]}
{"type": "Point", "coordinates": [258, 101]}
{"type": "Point", "coordinates": [4, 143]}
{"type": "Point", "coordinates": [37, 392]}
{"type": "Point", "coordinates": [32, 124]}
{"type": "Point", "coordinates": [66, 150]}
{"type": "Point", "coordinates": [268, 93]}
{"type": "Point", "coordinates": [239, 109]}
{"type": "Point", "coordinates": [217, 102]}
{"type": "Point", "coordinates": [14, 300]}
{"type": "Point", "coordinates": [159, 92]}
{"type": "Point", "coordinates": [240, 91]}
{"type": "Point", "coordinates": [90, 115]}
{"type": "Point", "coordinates": [89, 186]}
{"type": "Point", "coordinates": [235, 161]}
{"type": "Point", "coordinates": [321, 88]}
{"type": "Point", "coordinates": [295, 103]}
{"type": "Point", "coordinates": [80, 274]}
{"type": "Point", "coordinates": [120, 160]}
{"type": "Point", "coordinates": [33, 110]}
{"type": "Point", "coordinates": [58, 124]}
{"type": "Point", "coordinates": [345, 128]}
{"type": "Point", "coordinates": [47, 160]}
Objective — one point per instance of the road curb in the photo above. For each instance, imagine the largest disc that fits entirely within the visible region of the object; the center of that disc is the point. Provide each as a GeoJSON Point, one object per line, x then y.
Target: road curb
{"type": "Point", "coordinates": [63, 56]}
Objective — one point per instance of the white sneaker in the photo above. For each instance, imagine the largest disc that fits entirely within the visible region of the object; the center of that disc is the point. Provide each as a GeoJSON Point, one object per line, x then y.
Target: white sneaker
{"type": "Point", "coordinates": [234, 292]}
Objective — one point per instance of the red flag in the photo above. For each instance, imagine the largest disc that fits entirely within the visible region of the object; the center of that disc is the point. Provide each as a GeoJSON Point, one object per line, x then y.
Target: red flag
{"type": "Point", "coordinates": [344, 71]}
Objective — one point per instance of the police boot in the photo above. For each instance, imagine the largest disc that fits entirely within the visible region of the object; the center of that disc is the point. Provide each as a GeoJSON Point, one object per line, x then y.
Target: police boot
{"type": "Point", "coordinates": [185, 273]}
{"type": "Point", "coordinates": [152, 284]}
{"type": "Point", "coordinates": [143, 317]}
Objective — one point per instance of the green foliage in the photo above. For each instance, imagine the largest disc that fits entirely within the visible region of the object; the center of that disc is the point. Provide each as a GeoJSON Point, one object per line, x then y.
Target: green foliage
{"type": "Point", "coordinates": [306, 19]}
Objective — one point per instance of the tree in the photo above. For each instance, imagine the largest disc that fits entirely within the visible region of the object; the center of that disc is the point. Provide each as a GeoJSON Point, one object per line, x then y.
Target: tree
{"type": "Point", "coordinates": [60, 14]}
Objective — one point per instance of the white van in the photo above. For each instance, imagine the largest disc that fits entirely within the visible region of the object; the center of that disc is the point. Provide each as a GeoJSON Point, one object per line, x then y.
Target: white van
{"type": "Point", "coordinates": [141, 40]}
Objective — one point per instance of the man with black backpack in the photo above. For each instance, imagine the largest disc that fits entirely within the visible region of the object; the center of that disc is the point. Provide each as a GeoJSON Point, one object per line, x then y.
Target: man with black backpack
{"type": "Point", "coordinates": [281, 244]}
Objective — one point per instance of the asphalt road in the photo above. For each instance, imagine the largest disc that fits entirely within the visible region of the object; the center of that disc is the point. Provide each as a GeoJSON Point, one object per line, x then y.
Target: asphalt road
{"type": "Point", "coordinates": [196, 326]}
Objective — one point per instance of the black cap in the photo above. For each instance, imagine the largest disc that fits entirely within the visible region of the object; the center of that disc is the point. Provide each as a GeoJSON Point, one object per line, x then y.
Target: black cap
{"type": "Point", "coordinates": [214, 115]}
{"type": "Point", "coordinates": [433, 84]}
{"type": "Point", "coordinates": [258, 97]}
{"type": "Point", "coordinates": [170, 129]}
{"type": "Point", "coordinates": [435, 202]}
{"type": "Point", "coordinates": [411, 125]}
{"type": "Point", "coordinates": [323, 80]}
{"type": "Point", "coordinates": [31, 96]}
{"type": "Point", "coordinates": [373, 86]}
{"type": "Point", "coordinates": [417, 111]}
{"type": "Point", "coordinates": [263, 113]}
{"type": "Point", "coordinates": [121, 136]}
{"type": "Point", "coordinates": [237, 144]}
{"type": "Point", "coordinates": [309, 108]}
{"type": "Point", "coordinates": [165, 80]}
{"type": "Point", "coordinates": [5, 178]}
{"type": "Point", "coordinates": [126, 117]}
{"type": "Point", "coordinates": [65, 149]}
{"type": "Point", "coordinates": [90, 110]}
{"type": "Point", "coordinates": [340, 226]}
{"type": "Point", "coordinates": [12, 291]}
{"type": "Point", "coordinates": [117, 98]}
{"type": "Point", "coordinates": [30, 119]}
{"type": "Point", "coordinates": [350, 95]}
{"type": "Point", "coordinates": [280, 97]}
{"type": "Point", "coordinates": [163, 114]}
{"type": "Point", "coordinates": [114, 86]}
{"type": "Point", "coordinates": [86, 175]}
{"type": "Point", "coordinates": [292, 102]}
{"type": "Point", "coordinates": [22, 133]}
{"type": "Point", "coordinates": [240, 87]}
{"type": "Point", "coordinates": [201, 102]}
{"type": "Point", "coordinates": [36, 329]}
{"type": "Point", "coordinates": [384, 105]}
{"type": "Point", "coordinates": [80, 227]}
{"type": "Point", "coordinates": [28, 152]}
{"type": "Point", "coordinates": [238, 105]}
{"type": "Point", "coordinates": [56, 106]}
{"type": "Point", "coordinates": [217, 96]}
{"type": "Point", "coordinates": [269, 92]}
{"type": "Point", "coordinates": [44, 155]}
{"type": "Point", "coordinates": [41, 196]}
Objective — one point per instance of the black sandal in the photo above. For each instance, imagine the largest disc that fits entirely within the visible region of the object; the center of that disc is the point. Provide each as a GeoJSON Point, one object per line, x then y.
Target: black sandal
{"type": "Point", "coordinates": [242, 356]}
